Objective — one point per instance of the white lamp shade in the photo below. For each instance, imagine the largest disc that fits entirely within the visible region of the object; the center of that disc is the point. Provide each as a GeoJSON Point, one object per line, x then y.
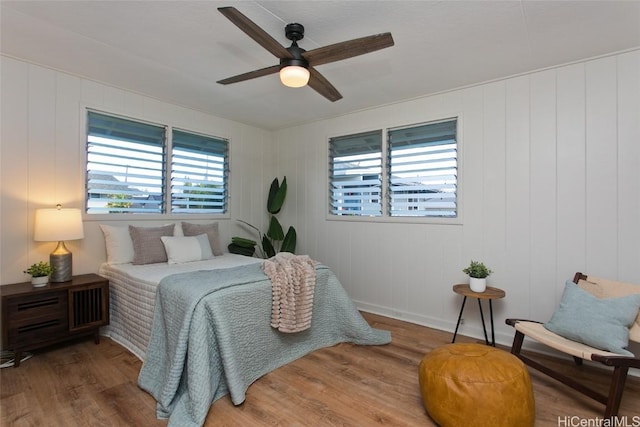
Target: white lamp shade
{"type": "Point", "coordinates": [294, 76]}
{"type": "Point", "coordinates": [58, 225]}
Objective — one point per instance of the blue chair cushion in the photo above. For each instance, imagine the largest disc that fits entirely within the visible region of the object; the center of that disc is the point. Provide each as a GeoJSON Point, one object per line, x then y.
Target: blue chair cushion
{"type": "Point", "coordinates": [602, 323]}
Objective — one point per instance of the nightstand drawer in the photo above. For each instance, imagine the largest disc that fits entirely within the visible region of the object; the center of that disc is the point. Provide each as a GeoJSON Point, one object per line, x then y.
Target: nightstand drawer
{"type": "Point", "coordinates": [33, 307]}
{"type": "Point", "coordinates": [39, 331]}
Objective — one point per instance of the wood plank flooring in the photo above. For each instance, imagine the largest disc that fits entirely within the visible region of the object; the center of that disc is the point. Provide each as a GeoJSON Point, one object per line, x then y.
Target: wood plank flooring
{"type": "Point", "coordinates": [83, 384]}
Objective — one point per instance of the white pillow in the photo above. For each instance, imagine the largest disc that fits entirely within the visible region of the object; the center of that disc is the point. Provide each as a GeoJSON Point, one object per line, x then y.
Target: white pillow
{"type": "Point", "coordinates": [187, 249]}
{"type": "Point", "coordinates": [118, 244]}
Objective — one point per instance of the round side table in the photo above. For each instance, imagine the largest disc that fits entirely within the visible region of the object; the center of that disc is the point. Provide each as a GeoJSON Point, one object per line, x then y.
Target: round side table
{"type": "Point", "coordinates": [490, 294]}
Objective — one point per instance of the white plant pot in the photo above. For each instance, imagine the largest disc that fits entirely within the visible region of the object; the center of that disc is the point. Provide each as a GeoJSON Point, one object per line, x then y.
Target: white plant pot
{"type": "Point", "coordinates": [39, 281]}
{"type": "Point", "coordinates": [478, 285]}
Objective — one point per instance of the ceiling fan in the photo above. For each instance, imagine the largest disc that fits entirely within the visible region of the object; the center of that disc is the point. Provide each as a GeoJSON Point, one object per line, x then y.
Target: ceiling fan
{"type": "Point", "coordinates": [296, 66]}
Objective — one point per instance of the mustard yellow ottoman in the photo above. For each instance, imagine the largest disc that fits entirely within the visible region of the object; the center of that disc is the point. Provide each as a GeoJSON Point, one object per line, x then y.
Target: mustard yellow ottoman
{"type": "Point", "coordinates": [476, 385]}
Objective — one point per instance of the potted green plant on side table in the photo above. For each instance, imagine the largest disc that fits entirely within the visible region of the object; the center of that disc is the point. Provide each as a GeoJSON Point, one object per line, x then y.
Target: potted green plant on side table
{"type": "Point", "coordinates": [478, 273]}
{"type": "Point", "coordinates": [40, 273]}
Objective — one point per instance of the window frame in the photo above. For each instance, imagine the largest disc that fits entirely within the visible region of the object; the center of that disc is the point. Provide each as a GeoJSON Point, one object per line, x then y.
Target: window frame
{"type": "Point", "coordinates": [167, 159]}
{"type": "Point", "coordinates": [386, 217]}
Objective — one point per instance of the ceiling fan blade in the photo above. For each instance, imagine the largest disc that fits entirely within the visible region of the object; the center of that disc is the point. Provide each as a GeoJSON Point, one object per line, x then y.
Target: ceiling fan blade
{"type": "Point", "coordinates": [348, 49]}
{"type": "Point", "coordinates": [255, 32]}
{"type": "Point", "coordinates": [321, 85]}
{"type": "Point", "coordinates": [250, 75]}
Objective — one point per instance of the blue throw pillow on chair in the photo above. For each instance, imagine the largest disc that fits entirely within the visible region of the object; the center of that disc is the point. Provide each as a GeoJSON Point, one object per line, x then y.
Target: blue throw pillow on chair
{"type": "Point", "coordinates": [600, 323]}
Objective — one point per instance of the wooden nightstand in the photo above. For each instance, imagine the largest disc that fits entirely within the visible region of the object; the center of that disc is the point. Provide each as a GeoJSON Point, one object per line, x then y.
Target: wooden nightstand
{"type": "Point", "coordinates": [37, 317]}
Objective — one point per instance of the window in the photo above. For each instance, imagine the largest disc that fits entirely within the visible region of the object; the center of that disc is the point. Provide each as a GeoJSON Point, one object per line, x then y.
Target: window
{"type": "Point", "coordinates": [412, 173]}
{"type": "Point", "coordinates": [198, 173]}
{"type": "Point", "coordinates": [355, 174]}
{"type": "Point", "coordinates": [422, 170]}
{"type": "Point", "coordinates": [127, 168]}
{"type": "Point", "coordinates": [125, 165]}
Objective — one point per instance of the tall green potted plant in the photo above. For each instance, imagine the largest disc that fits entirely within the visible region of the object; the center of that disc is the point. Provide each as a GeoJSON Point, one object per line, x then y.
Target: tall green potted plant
{"type": "Point", "coordinates": [274, 240]}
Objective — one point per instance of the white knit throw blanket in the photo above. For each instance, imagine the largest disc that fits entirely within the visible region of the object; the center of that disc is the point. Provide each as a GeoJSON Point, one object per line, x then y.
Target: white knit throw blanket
{"type": "Point", "coordinates": [293, 280]}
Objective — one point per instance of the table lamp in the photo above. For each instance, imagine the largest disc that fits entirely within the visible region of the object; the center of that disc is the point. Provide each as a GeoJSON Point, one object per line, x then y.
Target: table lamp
{"type": "Point", "coordinates": [59, 224]}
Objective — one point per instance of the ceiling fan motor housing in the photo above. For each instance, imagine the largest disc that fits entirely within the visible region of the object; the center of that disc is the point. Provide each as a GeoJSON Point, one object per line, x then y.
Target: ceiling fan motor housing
{"type": "Point", "coordinates": [287, 62]}
{"type": "Point", "coordinates": [294, 32]}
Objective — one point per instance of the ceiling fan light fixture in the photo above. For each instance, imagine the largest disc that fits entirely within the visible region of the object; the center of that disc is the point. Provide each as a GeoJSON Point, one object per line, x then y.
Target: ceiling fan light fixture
{"type": "Point", "coordinates": [294, 76]}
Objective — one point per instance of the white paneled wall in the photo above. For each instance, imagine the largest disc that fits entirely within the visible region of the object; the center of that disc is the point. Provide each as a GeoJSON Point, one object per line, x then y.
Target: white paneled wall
{"type": "Point", "coordinates": [550, 185]}
{"type": "Point", "coordinates": [43, 151]}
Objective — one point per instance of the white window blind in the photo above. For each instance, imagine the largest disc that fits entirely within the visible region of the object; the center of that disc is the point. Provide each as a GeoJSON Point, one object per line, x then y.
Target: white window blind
{"type": "Point", "coordinates": [356, 174]}
{"type": "Point", "coordinates": [199, 172]}
{"type": "Point", "coordinates": [125, 165]}
{"type": "Point", "coordinates": [422, 170]}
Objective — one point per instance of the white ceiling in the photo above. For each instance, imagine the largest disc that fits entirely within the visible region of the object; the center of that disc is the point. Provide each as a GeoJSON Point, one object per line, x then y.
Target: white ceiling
{"type": "Point", "coordinates": [175, 51]}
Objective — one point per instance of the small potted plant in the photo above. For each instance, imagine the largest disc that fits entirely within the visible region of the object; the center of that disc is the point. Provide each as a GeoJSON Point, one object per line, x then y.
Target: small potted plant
{"type": "Point", "coordinates": [478, 273]}
{"type": "Point", "coordinates": [40, 273]}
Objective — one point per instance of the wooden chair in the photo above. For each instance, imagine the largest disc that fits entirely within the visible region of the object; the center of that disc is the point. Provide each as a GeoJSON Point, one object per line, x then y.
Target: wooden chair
{"type": "Point", "coordinates": [601, 288]}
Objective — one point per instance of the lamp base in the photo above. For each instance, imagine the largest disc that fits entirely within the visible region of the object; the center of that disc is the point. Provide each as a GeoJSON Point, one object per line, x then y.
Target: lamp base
{"type": "Point", "coordinates": [61, 260]}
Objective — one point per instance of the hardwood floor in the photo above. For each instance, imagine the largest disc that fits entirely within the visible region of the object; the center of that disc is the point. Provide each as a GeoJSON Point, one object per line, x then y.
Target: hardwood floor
{"type": "Point", "coordinates": [82, 384]}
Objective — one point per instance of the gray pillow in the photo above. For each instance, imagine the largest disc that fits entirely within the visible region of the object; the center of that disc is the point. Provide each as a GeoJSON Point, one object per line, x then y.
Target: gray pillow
{"type": "Point", "coordinates": [147, 245]}
{"type": "Point", "coordinates": [211, 230]}
{"type": "Point", "coordinates": [600, 323]}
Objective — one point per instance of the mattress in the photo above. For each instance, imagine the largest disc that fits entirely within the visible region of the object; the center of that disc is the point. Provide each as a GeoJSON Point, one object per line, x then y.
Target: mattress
{"type": "Point", "coordinates": [133, 292]}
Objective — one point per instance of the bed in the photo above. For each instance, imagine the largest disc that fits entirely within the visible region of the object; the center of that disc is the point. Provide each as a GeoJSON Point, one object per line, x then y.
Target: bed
{"type": "Point", "coordinates": [133, 292]}
{"type": "Point", "coordinates": [219, 339]}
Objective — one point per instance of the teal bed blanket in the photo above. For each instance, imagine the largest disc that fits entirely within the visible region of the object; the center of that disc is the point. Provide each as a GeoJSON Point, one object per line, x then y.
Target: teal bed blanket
{"type": "Point", "coordinates": [211, 336]}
